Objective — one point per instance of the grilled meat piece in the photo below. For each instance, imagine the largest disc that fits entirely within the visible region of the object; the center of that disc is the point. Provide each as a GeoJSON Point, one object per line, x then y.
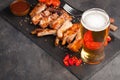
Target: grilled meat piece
{"type": "Point", "coordinates": [36, 31]}
{"type": "Point", "coordinates": [70, 34]}
{"type": "Point", "coordinates": [67, 24]}
{"type": "Point", "coordinates": [59, 11]}
{"type": "Point", "coordinates": [36, 19]}
{"type": "Point", "coordinates": [60, 20]}
{"type": "Point", "coordinates": [77, 43]}
{"type": "Point", "coordinates": [38, 9]}
{"type": "Point", "coordinates": [75, 46]}
{"type": "Point", "coordinates": [44, 32]}
{"type": "Point", "coordinates": [60, 24]}
{"type": "Point", "coordinates": [57, 40]}
{"type": "Point", "coordinates": [45, 21]}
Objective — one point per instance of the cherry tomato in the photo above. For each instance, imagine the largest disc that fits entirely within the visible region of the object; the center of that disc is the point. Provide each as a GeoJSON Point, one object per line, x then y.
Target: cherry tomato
{"type": "Point", "coordinates": [89, 42]}
{"type": "Point", "coordinates": [108, 38]}
{"type": "Point", "coordinates": [78, 62]}
{"type": "Point", "coordinates": [93, 45]}
{"type": "Point", "coordinates": [88, 36]}
{"type": "Point", "coordinates": [49, 2]}
{"type": "Point", "coordinates": [43, 1]}
{"type": "Point", "coordinates": [67, 57]}
{"type": "Point", "coordinates": [71, 61]}
{"type": "Point", "coordinates": [66, 63]}
{"type": "Point", "coordinates": [56, 3]}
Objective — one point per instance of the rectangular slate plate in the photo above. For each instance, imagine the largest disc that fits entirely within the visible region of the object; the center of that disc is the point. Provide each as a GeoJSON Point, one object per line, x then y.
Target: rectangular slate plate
{"type": "Point", "coordinates": [82, 72]}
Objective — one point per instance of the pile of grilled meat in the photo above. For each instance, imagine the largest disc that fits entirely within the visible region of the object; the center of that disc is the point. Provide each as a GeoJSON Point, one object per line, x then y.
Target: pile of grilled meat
{"type": "Point", "coordinates": [56, 21]}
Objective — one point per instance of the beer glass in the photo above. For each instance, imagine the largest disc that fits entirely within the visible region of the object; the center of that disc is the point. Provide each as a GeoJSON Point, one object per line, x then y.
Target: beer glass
{"type": "Point", "coordinates": [95, 28]}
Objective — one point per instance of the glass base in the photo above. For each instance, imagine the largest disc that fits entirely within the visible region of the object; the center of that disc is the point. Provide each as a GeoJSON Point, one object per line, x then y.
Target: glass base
{"type": "Point", "coordinates": [92, 58]}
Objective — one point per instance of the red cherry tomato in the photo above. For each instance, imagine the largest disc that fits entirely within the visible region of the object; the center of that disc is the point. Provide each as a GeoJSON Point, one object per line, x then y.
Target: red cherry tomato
{"type": "Point", "coordinates": [66, 63]}
{"type": "Point", "coordinates": [67, 57]}
{"type": "Point", "coordinates": [108, 38]}
{"type": "Point", "coordinates": [43, 1]}
{"type": "Point", "coordinates": [56, 3]}
{"type": "Point", "coordinates": [71, 61]}
{"type": "Point", "coordinates": [88, 36]}
{"type": "Point", "coordinates": [93, 45]}
{"type": "Point", "coordinates": [89, 42]}
{"type": "Point", "coordinates": [49, 2]}
{"type": "Point", "coordinates": [78, 62]}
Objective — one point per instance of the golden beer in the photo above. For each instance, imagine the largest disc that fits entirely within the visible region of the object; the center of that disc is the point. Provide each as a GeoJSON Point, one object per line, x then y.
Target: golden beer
{"type": "Point", "coordinates": [95, 29]}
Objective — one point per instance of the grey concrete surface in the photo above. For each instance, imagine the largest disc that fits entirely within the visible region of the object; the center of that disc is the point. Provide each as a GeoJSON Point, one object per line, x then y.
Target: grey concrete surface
{"type": "Point", "coordinates": [20, 59]}
{"type": "Point", "coordinates": [110, 71]}
{"type": "Point", "coordinates": [32, 63]}
{"type": "Point", "coordinates": [4, 3]}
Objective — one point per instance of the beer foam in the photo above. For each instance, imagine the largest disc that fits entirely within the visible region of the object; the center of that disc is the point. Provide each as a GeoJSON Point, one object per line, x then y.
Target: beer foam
{"type": "Point", "coordinates": [95, 20]}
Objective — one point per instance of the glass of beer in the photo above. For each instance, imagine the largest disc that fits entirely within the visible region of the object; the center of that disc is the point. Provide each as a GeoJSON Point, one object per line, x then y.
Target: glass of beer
{"type": "Point", "coordinates": [95, 28]}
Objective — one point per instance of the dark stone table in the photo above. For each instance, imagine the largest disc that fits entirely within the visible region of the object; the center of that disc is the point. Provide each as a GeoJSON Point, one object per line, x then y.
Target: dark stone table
{"type": "Point", "coordinates": [21, 59]}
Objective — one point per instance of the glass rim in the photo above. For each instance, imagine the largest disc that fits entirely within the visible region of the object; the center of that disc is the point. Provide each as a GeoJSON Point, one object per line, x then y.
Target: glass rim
{"type": "Point", "coordinates": [97, 10]}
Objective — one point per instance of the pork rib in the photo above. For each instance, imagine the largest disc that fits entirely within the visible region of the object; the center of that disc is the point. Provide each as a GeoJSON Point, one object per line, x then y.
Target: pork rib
{"type": "Point", "coordinates": [45, 21]}
{"type": "Point", "coordinates": [38, 9]}
{"type": "Point", "coordinates": [70, 34]}
{"type": "Point", "coordinates": [37, 18]}
{"type": "Point", "coordinates": [60, 20]}
{"type": "Point", "coordinates": [67, 24]}
{"type": "Point", "coordinates": [77, 43]}
{"type": "Point", "coordinates": [44, 32]}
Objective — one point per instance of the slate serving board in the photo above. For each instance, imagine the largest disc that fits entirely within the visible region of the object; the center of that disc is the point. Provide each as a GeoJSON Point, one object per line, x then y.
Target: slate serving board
{"type": "Point", "coordinates": [82, 72]}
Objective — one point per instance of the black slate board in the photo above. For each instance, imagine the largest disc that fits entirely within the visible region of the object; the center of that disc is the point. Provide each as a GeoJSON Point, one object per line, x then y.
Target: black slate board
{"type": "Point", "coordinates": [82, 72]}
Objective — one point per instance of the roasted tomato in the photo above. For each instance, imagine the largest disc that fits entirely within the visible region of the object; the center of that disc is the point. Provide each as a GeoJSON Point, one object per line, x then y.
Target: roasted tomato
{"type": "Point", "coordinates": [55, 3]}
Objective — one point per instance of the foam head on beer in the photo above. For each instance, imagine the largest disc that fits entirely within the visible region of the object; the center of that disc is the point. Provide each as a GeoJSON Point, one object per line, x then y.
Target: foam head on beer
{"type": "Point", "coordinates": [95, 19]}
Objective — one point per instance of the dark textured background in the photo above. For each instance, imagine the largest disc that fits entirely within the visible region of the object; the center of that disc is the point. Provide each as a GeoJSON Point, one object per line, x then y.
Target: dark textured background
{"type": "Point", "coordinates": [20, 59]}
{"type": "Point", "coordinates": [4, 3]}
